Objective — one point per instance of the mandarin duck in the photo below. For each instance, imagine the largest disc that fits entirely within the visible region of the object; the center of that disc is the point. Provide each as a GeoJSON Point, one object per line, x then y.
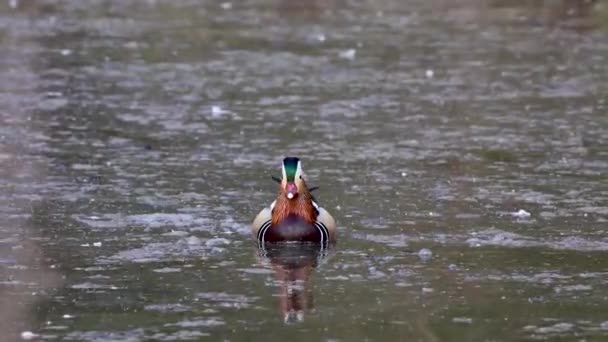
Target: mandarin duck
{"type": "Point", "coordinates": [294, 216]}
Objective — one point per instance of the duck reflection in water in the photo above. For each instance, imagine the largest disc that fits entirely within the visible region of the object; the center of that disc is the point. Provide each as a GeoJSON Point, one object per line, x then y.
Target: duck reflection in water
{"type": "Point", "coordinates": [293, 266]}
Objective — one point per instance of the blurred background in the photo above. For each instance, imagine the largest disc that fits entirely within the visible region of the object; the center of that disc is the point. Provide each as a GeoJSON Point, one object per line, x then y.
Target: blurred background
{"type": "Point", "coordinates": [462, 146]}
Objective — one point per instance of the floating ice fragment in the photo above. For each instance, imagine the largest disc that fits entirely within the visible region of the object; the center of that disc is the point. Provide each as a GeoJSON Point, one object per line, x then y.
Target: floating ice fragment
{"type": "Point", "coordinates": [84, 245]}
{"type": "Point", "coordinates": [427, 290]}
{"type": "Point", "coordinates": [197, 323]}
{"type": "Point", "coordinates": [425, 254]}
{"type": "Point", "coordinates": [217, 111]}
{"type": "Point", "coordinates": [375, 273]}
{"type": "Point", "coordinates": [226, 5]}
{"type": "Point", "coordinates": [604, 325]}
{"type": "Point", "coordinates": [131, 45]}
{"type": "Point", "coordinates": [65, 52]}
{"type": "Point", "coordinates": [167, 270]}
{"type": "Point", "coordinates": [217, 242]}
{"type": "Point", "coordinates": [68, 316]}
{"type": "Point", "coordinates": [321, 37]}
{"type": "Point", "coordinates": [28, 335]}
{"type": "Point", "coordinates": [13, 3]}
{"type": "Point", "coordinates": [256, 270]}
{"type": "Point", "coordinates": [557, 328]}
{"type": "Point", "coordinates": [97, 244]}
{"type": "Point", "coordinates": [348, 54]}
{"type": "Point", "coordinates": [54, 94]}
{"type": "Point", "coordinates": [403, 174]}
{"type": "Point", "coordinates": [193, 240]}
{"type": "Point", "coordinates": [167, 307]}
{"type": "Point", "coordinates": [464, 320]}
{"type": "Point", "coordinates": [570, 288]}
{"type": "Point", "coordinates": [521, 213]}
{"type": "Point", "coordinates": [430, 73]}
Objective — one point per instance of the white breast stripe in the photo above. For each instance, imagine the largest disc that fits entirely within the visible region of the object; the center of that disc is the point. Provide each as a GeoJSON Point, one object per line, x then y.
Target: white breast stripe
{"type": "Point", "coordinates": [320, 232]}
{"type": "Point", "coordinates": [324, 232]}
{"type": "Point", "coordinates": [314, 204]}
{"type": "Point", "coordinates": [273, 204]}
{"type": "Point", "coordinates": [268, 224]}
{"type": "Point", "coordinates": [263, 229]}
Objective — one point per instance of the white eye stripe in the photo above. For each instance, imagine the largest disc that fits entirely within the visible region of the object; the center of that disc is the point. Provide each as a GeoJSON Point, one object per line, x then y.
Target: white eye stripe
{"type": "Point", "coordinates": [299, 173]}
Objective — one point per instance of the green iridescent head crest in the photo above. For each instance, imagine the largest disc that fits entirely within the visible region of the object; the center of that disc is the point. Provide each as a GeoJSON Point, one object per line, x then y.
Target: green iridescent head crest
{"type": "Point", "coordinates": [290, 168]}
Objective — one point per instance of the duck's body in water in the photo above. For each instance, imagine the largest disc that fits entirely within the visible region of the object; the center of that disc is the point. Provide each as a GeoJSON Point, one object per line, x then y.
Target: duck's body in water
{"type": "Point", "coordinates": [294, 215]}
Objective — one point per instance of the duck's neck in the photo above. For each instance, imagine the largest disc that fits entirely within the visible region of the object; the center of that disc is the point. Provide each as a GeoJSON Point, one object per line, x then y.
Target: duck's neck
{"type": "Point", "coordinates": [301, 206]}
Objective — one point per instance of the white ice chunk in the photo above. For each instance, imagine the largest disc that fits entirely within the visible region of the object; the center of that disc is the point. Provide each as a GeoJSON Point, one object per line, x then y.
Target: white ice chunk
{"type": "Point", "coordinates": [348, 54]}
{"type": "Point", "coordinates": [521, 213]}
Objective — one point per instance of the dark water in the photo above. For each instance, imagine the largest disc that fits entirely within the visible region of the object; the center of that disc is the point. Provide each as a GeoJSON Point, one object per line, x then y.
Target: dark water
{"type": "Point", "coordinates": [462, 147]}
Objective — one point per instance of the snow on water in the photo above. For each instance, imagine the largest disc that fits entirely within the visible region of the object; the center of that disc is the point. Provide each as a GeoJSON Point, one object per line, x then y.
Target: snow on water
{"type": "Point", "coordinates": [185, 247]}
{"type": "Point", "coordinates": [165, 308]}
{"type": "Point", "coordinates": [573, 288]}
{"type": "Point", "coordinates": [550, 330]}
{"type": "Point", "coordinates": [490, 237]}
{"type": "Point", "coordinates": [167, 270]}
{"type": "Point", "coordinates": [152, 220]}
{"type": "Point", "coordinates": [93, 286]}
{"type": "Point", "coordinates": [208, 322]}
{"type": "Point", "coordinates": [144, 201]}
{"type": "Point", "coordinates": [177, 224]}
{"type": "Point", "coordinates": [501, 238]}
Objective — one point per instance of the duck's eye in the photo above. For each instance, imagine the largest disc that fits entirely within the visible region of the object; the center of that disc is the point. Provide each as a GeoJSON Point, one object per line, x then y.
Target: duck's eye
{"type": "Point", "coordinates": [300, 176]}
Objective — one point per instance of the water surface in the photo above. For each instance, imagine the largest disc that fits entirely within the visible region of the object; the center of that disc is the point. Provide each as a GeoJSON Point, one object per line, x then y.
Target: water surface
{"type": "Point", "coordinates": [462, 147]}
